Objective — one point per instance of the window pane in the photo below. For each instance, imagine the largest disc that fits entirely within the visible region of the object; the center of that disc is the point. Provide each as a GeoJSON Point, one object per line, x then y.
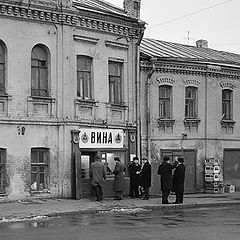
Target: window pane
{"type": "Point", "coordinates": [164, 101]}
{"type": "Point", "coordinates": [39, 77]}
{"type": "Point", "coordinates": [227, 104]}
{"type": "Point", "coordinates": [115, 82]}
{"type": "Point", "coordinates": [84, 65]}
{"type": "Point", "coordinates": [34, 78]}
{"type": "Point", "coordinates": [39, 172]}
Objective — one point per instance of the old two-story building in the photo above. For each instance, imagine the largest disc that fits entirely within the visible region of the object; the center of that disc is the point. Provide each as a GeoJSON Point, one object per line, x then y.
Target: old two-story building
{"type": "Point", "coordinates": [190, 107]}
{"type": "Point", "coordinates": [68, 74]}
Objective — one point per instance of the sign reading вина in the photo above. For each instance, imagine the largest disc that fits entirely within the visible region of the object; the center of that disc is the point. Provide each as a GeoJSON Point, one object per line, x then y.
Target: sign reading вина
{"type": "Point", "coordinates": [100, 138]}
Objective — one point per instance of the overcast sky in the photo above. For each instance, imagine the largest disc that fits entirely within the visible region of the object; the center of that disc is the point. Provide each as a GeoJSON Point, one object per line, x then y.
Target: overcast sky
{"type": "Point", "coordinates": [186, 21]}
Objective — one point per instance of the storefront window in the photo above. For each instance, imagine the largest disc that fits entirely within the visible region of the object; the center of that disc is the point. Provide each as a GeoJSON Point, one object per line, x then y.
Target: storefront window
{"type": "Point", "coordinates": [109, 163]}
{"type": "Point", "coordinates": [85, 161]}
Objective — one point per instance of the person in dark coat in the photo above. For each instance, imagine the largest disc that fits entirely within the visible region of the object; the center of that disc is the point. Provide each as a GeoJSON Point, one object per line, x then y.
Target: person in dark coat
{"type": "Point", "coordinates": [178, 180]}
{"type": "Point", "coordinates": [165, 170]}
{"type": "Point", "coordinates": [134, 173]}
{"type": "Point", "coordinates": [97, 176]}
{"type": "Point", "coordinates": [145, 178]}
{"type": "Point", "coordinates": [118, 183]}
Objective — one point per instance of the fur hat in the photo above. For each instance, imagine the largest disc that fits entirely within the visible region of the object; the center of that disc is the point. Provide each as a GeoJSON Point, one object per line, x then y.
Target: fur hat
{"type": "Point", "coordinates": [181, 160]}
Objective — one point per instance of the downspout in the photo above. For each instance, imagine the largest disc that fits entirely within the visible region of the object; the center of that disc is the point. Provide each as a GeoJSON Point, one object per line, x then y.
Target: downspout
{"type": "Point", "coordinates": [206, 109]}
{"type": "Point", "coordinates": [138, 93]}
{"type": "Point", "coordinates": [153, 61]}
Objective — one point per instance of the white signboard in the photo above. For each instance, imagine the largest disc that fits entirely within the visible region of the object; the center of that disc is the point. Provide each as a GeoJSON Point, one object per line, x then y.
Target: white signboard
{"type": "Point", "coordinates": [100, 138]}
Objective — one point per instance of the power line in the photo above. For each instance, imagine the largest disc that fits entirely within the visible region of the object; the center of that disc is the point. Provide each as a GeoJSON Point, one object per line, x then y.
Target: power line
{"type": "Point", "coordinates": [190, 14]}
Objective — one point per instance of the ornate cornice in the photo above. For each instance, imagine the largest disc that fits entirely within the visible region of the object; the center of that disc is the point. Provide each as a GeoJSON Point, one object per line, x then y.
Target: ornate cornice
{"type": "Point", "coordinates": [190, 69]}
{"type": "Point", "coordinates": [82, 19]}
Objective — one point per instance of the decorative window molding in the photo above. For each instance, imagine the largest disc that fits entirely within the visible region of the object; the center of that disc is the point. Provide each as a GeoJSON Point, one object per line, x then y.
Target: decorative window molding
{"type": "Point", "coordinates": [227, 85]}
{"type": "Point", "coordinates": [165, 80]}
{"type": "Point", "coordinates": [85, 109]}
{"type": "Point", "coordinates": [227, 123]}
{"type": "Point", "coordinates": [117, 45]}
{"type": "Point", "coordinates": [191, 122]}
{"type": "Point", "coordinates": [4, 100]}
{"type": "Point", "coordinates": [41, 107]}
{"type": "Point", "coordinates": [81, 38]}
{"type": "Point", "coordinates": [162, 122]}
{"type": "Point", "coordinates": [191, 82]}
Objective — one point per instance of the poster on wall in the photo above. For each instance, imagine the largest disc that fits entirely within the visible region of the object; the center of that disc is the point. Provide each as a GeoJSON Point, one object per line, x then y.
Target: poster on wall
{"type": "Point", "coordinates": [101, 138]}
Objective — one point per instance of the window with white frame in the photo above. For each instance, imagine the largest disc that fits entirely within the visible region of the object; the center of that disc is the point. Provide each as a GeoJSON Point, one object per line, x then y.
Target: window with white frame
{"type": "Point", "coordinates": [115, 82]}
{"type": "Point", "coordinates": [39, 169]}
{"type": "Point", "coordinates": [84, 77]}
{"type": "Point", "coordinates": [39, 69]}
{"type": "Point", "coordinates": [2, 170]}
{"type": "Point", "coordinates": [165, 98]}
{"type": "Point", "coordinates": [227, 104]}
{"type": "Point", "coordinates": [191, 102]}
{"type": "Point", "coordinates": [2, 68]}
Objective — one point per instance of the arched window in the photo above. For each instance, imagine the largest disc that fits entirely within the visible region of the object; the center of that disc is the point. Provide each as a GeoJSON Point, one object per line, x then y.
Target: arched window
{"type": "Point", "coordinates": [227, 104]}
{"type": "Point", "coordinates": [39, 67]}
{"type": "Point", "coordinates": [2, 69]}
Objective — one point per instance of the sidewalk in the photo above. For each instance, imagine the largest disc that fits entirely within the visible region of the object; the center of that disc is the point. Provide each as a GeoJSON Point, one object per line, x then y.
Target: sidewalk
{"type": "Point", "coordinates": [22, 210]}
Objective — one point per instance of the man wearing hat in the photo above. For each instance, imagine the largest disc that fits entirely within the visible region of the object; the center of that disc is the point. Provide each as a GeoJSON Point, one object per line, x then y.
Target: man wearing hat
{"type": "Point", "coordinates": [165, 170]}
{"type": "Point", "coordinates": [97, 176]}
{"type": "Point", "coordinates": [178, 180]}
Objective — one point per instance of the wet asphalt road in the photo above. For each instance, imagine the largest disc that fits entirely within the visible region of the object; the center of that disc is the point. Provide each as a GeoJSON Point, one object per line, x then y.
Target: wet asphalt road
{"type": "Point", "coordinates": [196, 224]}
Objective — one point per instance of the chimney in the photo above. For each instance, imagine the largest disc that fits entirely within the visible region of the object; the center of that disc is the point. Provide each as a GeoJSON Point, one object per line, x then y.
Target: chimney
{"type": "Point", "coordinates": [202, 43]}
{"type": "Point", "coordinates": [132, 8]}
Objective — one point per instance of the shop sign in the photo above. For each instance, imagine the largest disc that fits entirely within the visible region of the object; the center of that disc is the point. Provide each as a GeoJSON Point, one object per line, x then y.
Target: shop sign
{"type": "Point", "coordinates": [100, 138]}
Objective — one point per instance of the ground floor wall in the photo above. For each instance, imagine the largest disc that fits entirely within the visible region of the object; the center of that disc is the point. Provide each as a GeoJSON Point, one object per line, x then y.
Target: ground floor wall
{"type": "Point", "coordinates": [227, 151]}
{"type": "Point", "coordinates": [36, 160]}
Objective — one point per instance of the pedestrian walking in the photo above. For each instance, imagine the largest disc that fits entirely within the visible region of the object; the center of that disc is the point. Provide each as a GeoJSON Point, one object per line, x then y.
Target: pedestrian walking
{"type": "Point", "coordinates": [178, 180]}
{"type": "Point", "coordinates": [97, 176]}
{"type": "Point", "coordinates": [165, 171]}
{"type": "Point", "coordinates": [134, 174]}
{"type": "Point", "coordinates": [118, 183]}
{"type": "Point", "coordinates": [145, 175]}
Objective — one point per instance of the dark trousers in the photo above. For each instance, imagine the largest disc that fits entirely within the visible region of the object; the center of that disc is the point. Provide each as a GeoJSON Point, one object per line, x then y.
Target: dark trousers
{"type": "Point", "coordinates": [134, 191]}
{"type": "Point", "coordinates": [146, 192]}
{"type": "Point", "coordinates": [98, 192]}
{"type": "Point", "coordinates": [118, 195]}
{"type": "Point", "coordinates": [179, 197]}
{"type": "Point", "coordinates": [165, 194]}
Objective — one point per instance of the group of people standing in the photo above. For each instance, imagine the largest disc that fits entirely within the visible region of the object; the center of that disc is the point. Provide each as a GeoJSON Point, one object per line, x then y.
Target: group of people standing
{"type": "Point", "coordinates": [172, 182]}
{"type": "Point", "coordinates": [140, 178]}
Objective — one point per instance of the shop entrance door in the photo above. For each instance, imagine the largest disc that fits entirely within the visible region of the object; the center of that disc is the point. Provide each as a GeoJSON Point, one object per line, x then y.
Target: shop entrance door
{"type": "Point", "coordinates": [190, 164]}
{"type": "Point", "coordinates": [231, 167]}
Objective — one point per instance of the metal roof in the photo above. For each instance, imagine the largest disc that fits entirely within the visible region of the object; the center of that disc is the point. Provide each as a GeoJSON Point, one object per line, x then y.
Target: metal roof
{"type": "Point", "coordinates": [98, 6]}
{"type": "Point", "coordinates": [176, 51]}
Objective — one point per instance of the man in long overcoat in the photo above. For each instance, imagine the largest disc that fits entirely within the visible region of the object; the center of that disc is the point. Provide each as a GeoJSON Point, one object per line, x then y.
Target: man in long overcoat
{"type": "Point", "coordinates": [118, 183]}
{"type": "Point", "coordinates": [97, 176]}
{"type": "Point", "coordinates": [146, 178]}
{"type": "Point", "coordinates": [134, 173]}
{"type": "Point", "coordinates": [178, 180]}
{"type": "Point", "coordinates": [165, 170]}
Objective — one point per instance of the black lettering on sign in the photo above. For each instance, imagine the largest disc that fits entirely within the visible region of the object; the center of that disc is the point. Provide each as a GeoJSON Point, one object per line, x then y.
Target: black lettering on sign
{"type": "Point", "coordinates": [92, 137]}
{"type": "Point", "coordinates": [110, 138]}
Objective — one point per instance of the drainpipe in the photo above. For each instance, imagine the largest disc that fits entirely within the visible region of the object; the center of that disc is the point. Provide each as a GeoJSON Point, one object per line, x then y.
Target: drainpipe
{"type": "Point", "coordinates": [153, 61]}
{"type": "Point", "coordinates": [206, 112]}
{"type": "Point", "coordinates": [137, 95]}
